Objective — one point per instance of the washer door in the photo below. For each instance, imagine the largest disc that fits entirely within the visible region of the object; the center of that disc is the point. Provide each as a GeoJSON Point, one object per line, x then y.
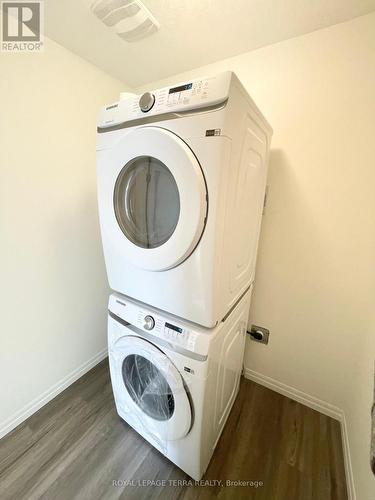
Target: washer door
{"type": "Point", "coordinates": [150, 390]}
{"type": "Point", "coordinates": [157, 199]}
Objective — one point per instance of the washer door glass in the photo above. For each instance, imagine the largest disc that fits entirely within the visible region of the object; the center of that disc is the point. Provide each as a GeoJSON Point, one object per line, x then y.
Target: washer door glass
{"type": "Point", "coordinates": [148, 387]}
{"type": "Point", "coordinates": [146, 202]}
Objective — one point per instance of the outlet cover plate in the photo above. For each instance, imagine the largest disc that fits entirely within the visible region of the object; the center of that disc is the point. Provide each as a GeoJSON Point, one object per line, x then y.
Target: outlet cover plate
{"type": "Point", "coordinates": [260, 332]}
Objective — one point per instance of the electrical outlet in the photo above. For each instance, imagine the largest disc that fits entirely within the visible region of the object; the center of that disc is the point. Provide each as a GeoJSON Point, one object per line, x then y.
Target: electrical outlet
{"type": "Point", "coordinates": [259, 334]}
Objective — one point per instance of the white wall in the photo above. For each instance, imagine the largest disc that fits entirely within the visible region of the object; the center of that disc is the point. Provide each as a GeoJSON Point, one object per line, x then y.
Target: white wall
{"type": "Point", "coordinates": [315, 283]}
{"type": "Point", "coordinates": [53, 284]}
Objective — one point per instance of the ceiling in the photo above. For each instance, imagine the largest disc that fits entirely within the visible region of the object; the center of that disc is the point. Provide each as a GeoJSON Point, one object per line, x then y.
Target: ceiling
{"type": "Point", "coordinates": [192, 32]}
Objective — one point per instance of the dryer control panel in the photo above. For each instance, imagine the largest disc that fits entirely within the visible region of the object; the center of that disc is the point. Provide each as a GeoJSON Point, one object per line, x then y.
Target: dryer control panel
{"type": "Point", "coordinates": [185, 96]}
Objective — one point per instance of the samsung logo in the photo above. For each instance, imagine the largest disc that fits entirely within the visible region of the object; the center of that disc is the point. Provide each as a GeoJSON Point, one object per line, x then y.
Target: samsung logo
{"type": "Point", "coordinates": [112, 106]}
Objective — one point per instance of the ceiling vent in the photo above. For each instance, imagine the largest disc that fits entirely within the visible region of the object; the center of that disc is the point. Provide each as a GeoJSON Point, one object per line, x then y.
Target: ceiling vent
{"type": "Point", "coordinates": [130, 19]}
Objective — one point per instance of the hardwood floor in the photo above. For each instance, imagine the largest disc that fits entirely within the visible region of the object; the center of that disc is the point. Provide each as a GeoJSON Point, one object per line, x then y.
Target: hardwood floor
{"type": "Point", "coordinates": [76, 447]}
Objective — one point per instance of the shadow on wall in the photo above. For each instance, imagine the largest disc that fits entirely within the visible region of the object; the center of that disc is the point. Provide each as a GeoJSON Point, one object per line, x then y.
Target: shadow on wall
{"type": "Point", "coordinates": [55, 312]}
{"type": "Point", "coordinates": [288, 232]}
{"type": "Point", "coordinates": [79, 262]}
{"type": "Point", "coordinates": [300, 284]}
{"type": "Point", "coordinates": [290, 245]}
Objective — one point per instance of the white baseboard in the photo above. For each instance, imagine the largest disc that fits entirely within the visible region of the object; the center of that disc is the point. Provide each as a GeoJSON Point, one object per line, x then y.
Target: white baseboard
{"type": "Point", "coordinates": [32, 407]}
{"type": "Point", "coordinates": [348, 462]}
{"type": "Point", "coordinates": [316, 404]}
{"type": "Point", "coordinates": [295, 394]}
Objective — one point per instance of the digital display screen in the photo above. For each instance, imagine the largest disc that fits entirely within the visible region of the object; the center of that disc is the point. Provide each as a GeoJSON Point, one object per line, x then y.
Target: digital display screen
{"type": "Point", "coordinates": [181, 88]}
{"type": "Point", "coordinates": [172, 327]}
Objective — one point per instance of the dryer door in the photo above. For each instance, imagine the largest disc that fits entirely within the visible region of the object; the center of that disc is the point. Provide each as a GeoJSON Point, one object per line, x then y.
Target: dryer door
{"type": "Point", "coordinates": [155, 202]}
{"type": "Point", "coordinates": [149, 390]}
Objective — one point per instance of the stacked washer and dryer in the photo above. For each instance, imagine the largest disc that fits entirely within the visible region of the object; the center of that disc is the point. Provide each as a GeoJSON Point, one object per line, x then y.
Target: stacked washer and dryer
{"type": "Point", "coordinates": [181, 184]}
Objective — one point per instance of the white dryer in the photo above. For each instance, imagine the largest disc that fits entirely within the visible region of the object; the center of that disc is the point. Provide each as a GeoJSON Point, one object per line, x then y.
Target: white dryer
{"type": "Point", "coordinates": [181, 183]}
{"type": "Point", "coordinates": [174, 382]}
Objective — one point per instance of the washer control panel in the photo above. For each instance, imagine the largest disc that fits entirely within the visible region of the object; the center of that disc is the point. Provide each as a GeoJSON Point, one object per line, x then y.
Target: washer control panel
{"type": "Point", "coordinates": [169, 329]}
{"type": "Point", "coordinates": [149, 322]}
{"type": "Point", "coordinates": [174, 333]}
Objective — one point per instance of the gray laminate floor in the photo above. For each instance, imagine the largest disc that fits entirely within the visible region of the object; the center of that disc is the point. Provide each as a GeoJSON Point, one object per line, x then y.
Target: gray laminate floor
{"type": "Point", "coordinates": [76, 447]}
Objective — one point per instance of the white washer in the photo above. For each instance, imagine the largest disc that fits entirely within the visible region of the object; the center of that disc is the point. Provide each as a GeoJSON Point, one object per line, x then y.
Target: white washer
{"type": "Point", "coordinates": [181, 183]}
{"type": "Point", "coordinates": [174, 382]}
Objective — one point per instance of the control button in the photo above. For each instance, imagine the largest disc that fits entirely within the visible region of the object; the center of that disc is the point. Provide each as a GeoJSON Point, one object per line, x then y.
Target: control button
{"type": "Point", "coordinates": [146, 102]}
{"type": "Point", "coordinates": [149, 323]}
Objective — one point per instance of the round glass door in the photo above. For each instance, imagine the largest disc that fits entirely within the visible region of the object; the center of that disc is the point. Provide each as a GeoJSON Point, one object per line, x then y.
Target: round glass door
{"type": "Point", "coordinates": [149, 390]}
{"type": "Point", "coordinates": [146, 202]}
{"type": "Point", "coordinates": [148, 387]}
{"type": "Point", "coordinates": [153, 200]}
